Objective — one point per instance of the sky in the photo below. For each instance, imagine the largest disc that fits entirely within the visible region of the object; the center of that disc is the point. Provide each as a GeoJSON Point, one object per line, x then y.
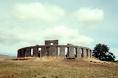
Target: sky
{"type": "Point", "coordinates": [80, 22]}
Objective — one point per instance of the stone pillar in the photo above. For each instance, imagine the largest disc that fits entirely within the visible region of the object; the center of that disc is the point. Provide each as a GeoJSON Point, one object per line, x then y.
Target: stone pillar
{"type": "Point", "coordinates": [75, 52]}
{"type": "Point", "coordinates": [39, 51]}
{"type": "Point", "coordinates": [27, 52]}
{"type": "Point", "coordinates": [58, 51]}
{"type": "Point", "coordinates": [66, 51]}
{"type": "Point", "coordinates": [47, 51]}
{"type": "Point", "coordinates": [84, 49]}
{"type": "Point", "coordinates": [43, 51]}
{"type": "Point", "coordinates": [90, 53]}
{"type": "Point", "coordinates": [23, 52]}
{"type": "Point", "coordinates": [31, 51]}
{"type": "Point", "coordinates": [78, 52]}
{"type": "Point", "coordinates": [62, 51]}
{"type": "Point", "coordinates": [82, 52]}
{"type": "Point", "coordinates": [53, 51]}
{"type": "Point", "coordinates": [87, 54]}
{"type": "Point", "coordinates": [19, 53]}
{"type": "Point", "coordinates": [71, 52]}
{"type": "Point", "coordinates": [35, 51]}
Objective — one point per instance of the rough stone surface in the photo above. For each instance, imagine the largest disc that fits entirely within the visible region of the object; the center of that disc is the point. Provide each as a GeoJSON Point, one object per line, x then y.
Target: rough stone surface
{"type": "Point", "coordinates": [52, 48]}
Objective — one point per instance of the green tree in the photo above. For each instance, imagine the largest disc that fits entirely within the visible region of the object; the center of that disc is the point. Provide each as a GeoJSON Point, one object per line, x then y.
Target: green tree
{"type": "Point", "coordinates": [101, 51]}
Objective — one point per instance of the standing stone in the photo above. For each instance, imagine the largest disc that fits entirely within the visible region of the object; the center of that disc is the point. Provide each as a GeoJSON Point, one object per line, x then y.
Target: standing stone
{"type": "Point", "coordinates": [62, 51]}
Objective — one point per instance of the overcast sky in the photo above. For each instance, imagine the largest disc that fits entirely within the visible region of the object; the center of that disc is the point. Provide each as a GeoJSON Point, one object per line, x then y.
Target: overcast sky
{"type": "Point", "coordinates": [80, 22]}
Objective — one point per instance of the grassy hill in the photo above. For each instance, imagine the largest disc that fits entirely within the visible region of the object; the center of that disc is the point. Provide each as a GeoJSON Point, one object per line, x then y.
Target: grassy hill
{"type": "Point", "coordinates": [53, 67]}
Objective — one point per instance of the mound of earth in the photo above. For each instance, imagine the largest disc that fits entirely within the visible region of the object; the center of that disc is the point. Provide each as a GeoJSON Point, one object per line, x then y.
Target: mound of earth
{"type": "Point", "coordinates": [79, 61]}
{"type": "Point", "coordinates": [57, 67]}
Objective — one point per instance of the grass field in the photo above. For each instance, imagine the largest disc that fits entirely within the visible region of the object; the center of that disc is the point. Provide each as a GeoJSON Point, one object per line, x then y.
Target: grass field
{"type": "Point", "coordinates": [52, 67]}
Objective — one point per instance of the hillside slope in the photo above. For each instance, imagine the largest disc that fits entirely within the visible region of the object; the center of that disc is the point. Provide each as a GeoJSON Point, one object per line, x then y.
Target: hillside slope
{"type": "Point", "coordinates": [53, 67]}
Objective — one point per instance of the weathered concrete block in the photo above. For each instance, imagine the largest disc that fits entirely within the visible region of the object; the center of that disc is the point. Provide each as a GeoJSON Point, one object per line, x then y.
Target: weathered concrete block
{"type": "Point", "coordinates": [79, 52]}
{"type": "Point", "coordinates": [62, 51]}
{"type": "Point", "coordinates": [51, 42]}
{"type": "Point", "coordinates": [51, 48]}
{"type": "Point", "coordinates": [71, 52]}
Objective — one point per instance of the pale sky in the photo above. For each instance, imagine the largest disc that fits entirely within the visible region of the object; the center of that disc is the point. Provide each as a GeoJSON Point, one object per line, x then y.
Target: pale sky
{"type": "Point", "coordinates": [80, 22]}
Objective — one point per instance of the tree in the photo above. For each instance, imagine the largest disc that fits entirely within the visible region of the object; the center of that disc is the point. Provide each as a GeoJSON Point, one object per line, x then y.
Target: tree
{"type": "Point", "coordinates": [101, 51]}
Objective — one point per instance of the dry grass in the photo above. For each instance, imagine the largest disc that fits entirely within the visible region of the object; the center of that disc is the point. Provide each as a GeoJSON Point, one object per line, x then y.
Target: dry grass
{"type": "Point", "coordinates": [57, 67]}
